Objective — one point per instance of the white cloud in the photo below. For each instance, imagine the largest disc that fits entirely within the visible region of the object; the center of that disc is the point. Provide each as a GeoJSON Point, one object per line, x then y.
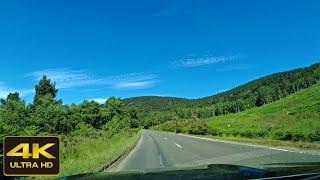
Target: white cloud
{"type": "Point", "coordinates": [134, 81]}
{"type": "Point", "coordinates": [200, 61]}
{"type": "Point", "coordinates": [99, 100]}
{"type": "Point", "coordinates": [65, 78]}
{"type": "Point", "coordinates": [142, 84]}
{"type": "Point", "coordinates": [5, 90]}
{"type": "Point", "coordinates": [24, 92]}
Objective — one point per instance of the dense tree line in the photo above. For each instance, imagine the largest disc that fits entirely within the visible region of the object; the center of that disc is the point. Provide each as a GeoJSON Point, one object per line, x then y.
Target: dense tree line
{"type": "Point", "coordinates": [46, 115]}
{"type": "Point", "coordinates": [252, 94]}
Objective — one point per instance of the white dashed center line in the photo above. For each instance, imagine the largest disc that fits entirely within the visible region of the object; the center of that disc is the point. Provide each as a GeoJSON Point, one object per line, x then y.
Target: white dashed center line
{"type": "Point", "coordinates": [178, 145]}
{"type": "Point", "coordinates": [285, 150]}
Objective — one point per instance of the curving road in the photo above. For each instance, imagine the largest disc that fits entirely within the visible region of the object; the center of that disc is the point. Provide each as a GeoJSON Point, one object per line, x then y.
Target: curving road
{"type": "Point", "coordinates": [158, 150]}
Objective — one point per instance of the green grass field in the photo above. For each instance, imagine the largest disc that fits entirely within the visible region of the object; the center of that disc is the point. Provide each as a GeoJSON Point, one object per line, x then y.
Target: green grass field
{"type": "Point", "coordinates": [90, 154]}
{"type": "Point", "coordinates": [295, 117]}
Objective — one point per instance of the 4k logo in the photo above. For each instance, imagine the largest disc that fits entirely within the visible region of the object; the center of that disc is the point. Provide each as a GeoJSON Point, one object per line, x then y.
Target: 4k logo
{"type": "Point", "coordinates": [34, 156]}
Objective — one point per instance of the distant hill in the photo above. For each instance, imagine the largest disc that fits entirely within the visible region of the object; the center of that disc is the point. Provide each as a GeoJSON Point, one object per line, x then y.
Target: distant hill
{"type": "Point", "coordinates": [284, 83]}
{"type": "Point", "coordinates": [293, 118]}
{"type": "Point", "coordinates": [252, 94]}
{"type": "Point", "coordinates": [158, 103]}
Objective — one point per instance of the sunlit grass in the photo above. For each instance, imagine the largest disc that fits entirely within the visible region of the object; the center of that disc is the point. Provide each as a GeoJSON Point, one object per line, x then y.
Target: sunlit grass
{"type": "Point", "coordinates": [89, 155]}
{"type": "Point", "coordinates": [297, 114]}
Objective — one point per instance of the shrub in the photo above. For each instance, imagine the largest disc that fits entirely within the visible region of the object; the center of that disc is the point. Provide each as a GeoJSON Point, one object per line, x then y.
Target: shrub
{"type": "Point", "coordinates": [315, 136]}
{"type": "Point", "coordinates": [85, 130]}
{"type": "Point", "coordinates": [235, 133]}
{"type": "Point", "coordinates": [247, 134]}
{"type": "Point", "coordinates": [198, 128]}
{"type": "Point", "coordinates": [213, 131]}
{"type": "Point", "coordinates": [298, 136]}
{"type": "Point", "coordinates": [286, 135]}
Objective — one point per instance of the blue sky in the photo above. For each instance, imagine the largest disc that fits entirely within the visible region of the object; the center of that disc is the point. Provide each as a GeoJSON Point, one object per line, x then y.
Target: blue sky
{"type": "Point", "coordinates": [97, 49]}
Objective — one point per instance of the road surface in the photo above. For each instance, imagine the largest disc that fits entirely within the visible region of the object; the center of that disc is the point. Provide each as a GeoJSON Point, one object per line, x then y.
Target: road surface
{"type": "Point", "coordinates": [159, 150]}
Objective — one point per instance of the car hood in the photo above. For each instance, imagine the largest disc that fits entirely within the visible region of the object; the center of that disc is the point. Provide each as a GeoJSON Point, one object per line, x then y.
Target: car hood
{"type": "Point", "coordinates": [213, 171]}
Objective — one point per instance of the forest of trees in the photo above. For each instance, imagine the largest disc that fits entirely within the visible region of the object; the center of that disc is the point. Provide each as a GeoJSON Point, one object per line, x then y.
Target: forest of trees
{"type": "Point", "coordinates": [46, 115]}
{"type": "Point", "coordinates": [156, 110]}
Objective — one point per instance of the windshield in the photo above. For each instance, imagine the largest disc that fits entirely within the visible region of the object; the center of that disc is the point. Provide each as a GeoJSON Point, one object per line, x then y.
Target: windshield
{"type": "Point", "coordinates": [200, 89]}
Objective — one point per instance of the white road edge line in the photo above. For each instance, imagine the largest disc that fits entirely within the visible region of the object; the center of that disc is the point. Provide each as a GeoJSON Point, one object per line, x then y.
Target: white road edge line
{"type": "Point", "coordinates": [123, 162]}
{"type": "Point", "coordinates": [178, 145]}
{"type": "Point", "coordinates": [244, 144]}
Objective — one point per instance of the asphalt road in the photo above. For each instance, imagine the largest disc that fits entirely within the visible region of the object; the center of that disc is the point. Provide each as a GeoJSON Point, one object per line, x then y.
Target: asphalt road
{"type": "Point", "coordinates": [160, 150]}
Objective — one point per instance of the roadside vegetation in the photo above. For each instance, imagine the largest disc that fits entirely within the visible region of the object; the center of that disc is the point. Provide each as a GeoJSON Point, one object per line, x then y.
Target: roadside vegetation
{"type": "Point", "coordinates": [86, 128]}
{"type": "Point", "coordinates": [83, 154]}
{"type": "Point", "coordinates": [295, 118]}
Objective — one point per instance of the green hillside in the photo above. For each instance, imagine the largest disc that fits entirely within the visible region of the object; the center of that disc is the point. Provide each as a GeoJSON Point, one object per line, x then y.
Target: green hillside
{"type": "Point", "coordinates": [293, 118]}
{"type": "Point", "coordinates": [155, 110]}
{"type": "Point", "coordinates": [158, 103]}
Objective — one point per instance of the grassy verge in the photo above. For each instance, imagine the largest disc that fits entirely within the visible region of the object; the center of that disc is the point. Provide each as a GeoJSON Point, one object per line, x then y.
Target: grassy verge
{"type": "Point", "coordinates": [89, 155]}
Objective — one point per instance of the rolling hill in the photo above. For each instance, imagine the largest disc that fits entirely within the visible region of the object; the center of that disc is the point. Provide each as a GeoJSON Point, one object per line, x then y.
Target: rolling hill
{"type": "Point", "coordinates": [283, 82]}
{"type": "Point", "coordinates": [154, 110]}
{"type": "Point", "coordinates": [293, 118]}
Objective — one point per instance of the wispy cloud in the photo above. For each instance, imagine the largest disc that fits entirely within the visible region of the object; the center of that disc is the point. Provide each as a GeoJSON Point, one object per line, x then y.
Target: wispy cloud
{"type": "Point", "coordinates": [134, 81]}
{"type": "Point", "coordinates": [5, 90]}
{"type": "Point", "coordinates": [65, 78]}
{"type": "Point", "coordinates": [201, 61]}
{"type": "Point", "coordinates": [25, 92]}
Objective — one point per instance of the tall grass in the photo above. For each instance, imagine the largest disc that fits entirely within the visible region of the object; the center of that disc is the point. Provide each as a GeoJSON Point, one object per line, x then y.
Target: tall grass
{"type": "Point", "coordinates": [85, 155]}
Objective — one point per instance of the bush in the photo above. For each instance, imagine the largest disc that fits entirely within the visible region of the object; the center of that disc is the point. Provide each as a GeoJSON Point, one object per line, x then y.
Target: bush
{"type": "Point", "coordinates": [286, 136]}
{"type": "Point", "coordinates": [250, 133]}
{"type": "Point", "coordinates": [85, 130]}
{"type": "Point", "coordinates": [198, 128]}
{"type": "Point", "coordinates": [235, 133]}
{"type": "Point", "coordinates": [247, 133]}
{"type": "Point", "coordinates": [213, 132]}
{"type": "Point", "coordinates": [298, 136]}
{"type": "Point", "coordinates": [315, 136]}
